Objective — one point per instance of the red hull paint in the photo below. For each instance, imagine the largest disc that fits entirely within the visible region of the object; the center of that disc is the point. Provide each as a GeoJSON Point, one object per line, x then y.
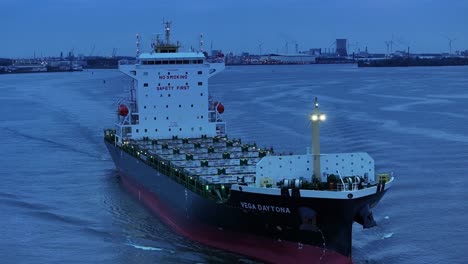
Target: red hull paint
{"type": "Point", "coordinates": [259, 248]}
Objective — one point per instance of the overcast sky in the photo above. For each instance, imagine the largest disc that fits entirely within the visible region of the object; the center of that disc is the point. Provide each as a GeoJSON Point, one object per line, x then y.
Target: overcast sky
{"type": "Point", "coordinates": [50, 26]}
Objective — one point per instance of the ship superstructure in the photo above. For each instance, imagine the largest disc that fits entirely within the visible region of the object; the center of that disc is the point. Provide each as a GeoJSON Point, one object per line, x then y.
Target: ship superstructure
{"type": "Point", "coordinates": [171, 149]}
{"type": "Point", "coordinates": [169, 95]}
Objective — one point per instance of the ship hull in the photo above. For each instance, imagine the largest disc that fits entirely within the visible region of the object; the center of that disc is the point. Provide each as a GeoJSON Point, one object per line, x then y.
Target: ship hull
{"type": "Point", "coordinates": [276, 229]}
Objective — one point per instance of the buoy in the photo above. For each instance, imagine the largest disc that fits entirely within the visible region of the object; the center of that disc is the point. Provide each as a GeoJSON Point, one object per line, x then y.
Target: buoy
{"type": "Point", "coordinates": [123, 110]}
{"type": "Point", "coordinates": [220, 108]}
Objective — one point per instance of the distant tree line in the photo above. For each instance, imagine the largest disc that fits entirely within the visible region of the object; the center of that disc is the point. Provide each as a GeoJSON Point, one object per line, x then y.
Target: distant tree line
{"type": "Point", "coordinates": [5, 62]}
{"type": "Point", "coordinates": [405, 62]}
{"type": "Point", "coordinates": [102, 63]}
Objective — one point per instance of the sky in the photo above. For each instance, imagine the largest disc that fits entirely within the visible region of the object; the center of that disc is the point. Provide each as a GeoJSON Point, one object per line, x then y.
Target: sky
{"type": "Point", "coordinates": [96, 27]}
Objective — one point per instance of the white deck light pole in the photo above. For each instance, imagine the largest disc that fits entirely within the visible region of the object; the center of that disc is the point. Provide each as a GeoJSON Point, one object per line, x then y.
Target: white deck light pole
{"type": "Point", "coordinates": [316, 118]}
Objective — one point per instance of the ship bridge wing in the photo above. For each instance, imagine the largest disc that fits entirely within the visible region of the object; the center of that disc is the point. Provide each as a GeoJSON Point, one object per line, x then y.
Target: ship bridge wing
{"type": "Point", "coordinates": [216, 68]}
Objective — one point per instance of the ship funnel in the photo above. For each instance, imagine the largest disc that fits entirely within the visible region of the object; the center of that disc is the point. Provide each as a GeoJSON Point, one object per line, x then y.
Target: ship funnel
{"type": "Point", "coordinates": [316, 118]}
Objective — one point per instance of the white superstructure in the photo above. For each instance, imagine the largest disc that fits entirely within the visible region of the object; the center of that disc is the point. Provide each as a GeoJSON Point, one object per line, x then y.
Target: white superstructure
{"type": "Point", "coordinates": [169, 95]}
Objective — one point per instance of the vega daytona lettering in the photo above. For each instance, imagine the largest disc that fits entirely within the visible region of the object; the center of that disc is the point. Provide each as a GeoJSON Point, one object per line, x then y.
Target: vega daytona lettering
{"type": "Point", "coordinates": [265, 208]}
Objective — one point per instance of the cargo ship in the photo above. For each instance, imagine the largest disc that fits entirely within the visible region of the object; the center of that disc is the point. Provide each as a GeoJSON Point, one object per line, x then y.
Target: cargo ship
{"type": "Point", "coordinates": [29, 66]}
{"type": "Point", "coordinates": [171, 150]}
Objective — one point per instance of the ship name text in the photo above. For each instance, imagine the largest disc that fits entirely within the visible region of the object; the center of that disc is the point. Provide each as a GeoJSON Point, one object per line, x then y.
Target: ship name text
{"type": "Point", "coordinates": [265, 208]}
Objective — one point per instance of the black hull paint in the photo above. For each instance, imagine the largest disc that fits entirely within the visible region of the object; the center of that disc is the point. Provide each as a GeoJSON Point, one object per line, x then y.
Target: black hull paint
{"type": "Point", "coordinates": [323, 223]}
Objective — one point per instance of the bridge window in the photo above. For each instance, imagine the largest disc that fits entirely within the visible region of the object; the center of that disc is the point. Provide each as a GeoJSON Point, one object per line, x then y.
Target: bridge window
{"type": "Point", "coordinates": [157, 62]}
{"type": "Point", "coordinates": [186, 62]}
{"type": "Point", "coordinates": [165, 62]}
{"type": "Point", "coordinates": [151, 62]}
{"type": "Point", "coordinates": [200, 61]}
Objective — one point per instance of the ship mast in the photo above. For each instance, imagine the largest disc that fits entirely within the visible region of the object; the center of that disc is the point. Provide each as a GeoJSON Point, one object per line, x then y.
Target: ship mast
{"type": "Point", "coordinates": [168, 32]}
{"type": "Point", "coordinates": [165, 46]}
{"type": "Point", "coordinates": [316, 118]}
{"type": "Point", "coordinates": [137, 45]}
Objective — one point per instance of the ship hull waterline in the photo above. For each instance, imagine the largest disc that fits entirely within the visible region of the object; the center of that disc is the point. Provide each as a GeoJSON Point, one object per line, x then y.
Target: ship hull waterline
{"type": "Point", "coordinates": [277, 233]}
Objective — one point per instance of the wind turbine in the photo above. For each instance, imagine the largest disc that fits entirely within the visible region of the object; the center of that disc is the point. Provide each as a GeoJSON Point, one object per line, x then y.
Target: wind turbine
{"type": "Point", "coordinates": [260, 44]}
{"type": "Point", "coordinates": [450, 44]}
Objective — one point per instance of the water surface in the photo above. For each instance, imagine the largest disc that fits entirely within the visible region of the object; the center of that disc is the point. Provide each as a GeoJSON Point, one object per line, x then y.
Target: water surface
{"type": "Point", "coordinates": [61, 202]}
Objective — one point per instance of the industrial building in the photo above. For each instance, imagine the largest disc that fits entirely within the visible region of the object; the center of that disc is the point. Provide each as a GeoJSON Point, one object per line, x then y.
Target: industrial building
{"type": "Point", "coordinates": [341, 47]}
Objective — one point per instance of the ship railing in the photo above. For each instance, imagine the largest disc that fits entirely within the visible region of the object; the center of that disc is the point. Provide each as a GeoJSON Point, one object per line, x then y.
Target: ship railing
{"type": "Point", "coordinates": [347, 187]}
{"type": "Point", "coordinates": [128, 62]}
{"type": "Point", "coordinates": [355, 183]}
